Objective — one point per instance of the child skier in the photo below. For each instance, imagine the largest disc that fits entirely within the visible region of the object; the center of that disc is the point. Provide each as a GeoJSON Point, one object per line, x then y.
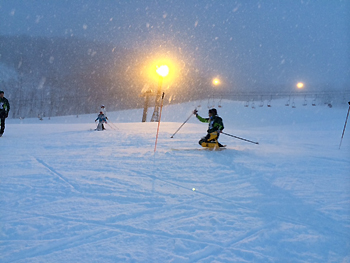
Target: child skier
{"type": "Point", "coordinates": [104, 111]}
{"type": "Point", "coordinates": [215, 127]}
{"type": "Point", "coordinates": [101, 120]}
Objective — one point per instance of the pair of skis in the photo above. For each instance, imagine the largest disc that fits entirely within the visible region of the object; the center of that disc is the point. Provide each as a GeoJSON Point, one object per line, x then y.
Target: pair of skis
{"type": "Point", "coordinates": [110, 124]}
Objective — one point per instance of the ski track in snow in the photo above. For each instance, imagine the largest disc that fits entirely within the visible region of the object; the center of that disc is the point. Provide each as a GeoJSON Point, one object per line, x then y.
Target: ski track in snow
{"type": "Point", "coordinates": [54, 172]}
{"type": "Point", "coordinates": [69, 194]}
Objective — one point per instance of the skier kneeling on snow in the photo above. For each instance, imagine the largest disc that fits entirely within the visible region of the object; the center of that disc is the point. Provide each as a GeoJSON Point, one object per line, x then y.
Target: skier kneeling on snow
{"type": "Point", "coordinates": [101, 120]}
{"type": "Point", "coordinates": [215, 127]}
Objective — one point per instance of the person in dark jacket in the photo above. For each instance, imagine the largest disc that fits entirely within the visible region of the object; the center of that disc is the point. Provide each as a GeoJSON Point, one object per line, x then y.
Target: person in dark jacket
{"type": "Point", "coordinates": [4, 111]}
{"type": "Point", "coordinates": [215, 127]}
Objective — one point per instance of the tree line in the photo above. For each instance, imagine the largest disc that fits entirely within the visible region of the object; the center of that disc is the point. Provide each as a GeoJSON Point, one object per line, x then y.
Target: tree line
{"type": "Point", "coordinates": [68, 76]}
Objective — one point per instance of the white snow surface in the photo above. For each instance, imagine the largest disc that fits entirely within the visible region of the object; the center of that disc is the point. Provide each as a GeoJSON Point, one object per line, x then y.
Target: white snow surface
{"type": "Point", "coordinates": [71, 194]}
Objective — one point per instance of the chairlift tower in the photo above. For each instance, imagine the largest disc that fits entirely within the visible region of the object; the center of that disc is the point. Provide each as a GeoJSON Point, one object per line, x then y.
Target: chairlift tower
{"type": "Point", "coordinates": [146, 94]}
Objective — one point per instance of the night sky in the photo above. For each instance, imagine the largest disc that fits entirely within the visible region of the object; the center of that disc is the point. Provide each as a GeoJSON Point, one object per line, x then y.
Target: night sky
{"type": "Point", "coordinates": [247, 42]}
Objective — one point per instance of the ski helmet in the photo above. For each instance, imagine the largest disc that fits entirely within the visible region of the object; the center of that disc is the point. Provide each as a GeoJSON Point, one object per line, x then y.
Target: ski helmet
{"type": "Point", "coordinates": [2, 92]}
{"type": "Point", "coordinates": [213, 111]}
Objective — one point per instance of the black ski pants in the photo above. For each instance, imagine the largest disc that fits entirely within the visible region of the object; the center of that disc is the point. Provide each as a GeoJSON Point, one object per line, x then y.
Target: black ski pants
{"type": "Point", "coordinates": [2, 117]}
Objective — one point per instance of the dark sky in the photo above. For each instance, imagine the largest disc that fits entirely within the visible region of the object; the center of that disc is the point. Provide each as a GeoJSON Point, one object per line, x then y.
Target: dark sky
{"type": "Point", "coordinates": [246, 42]}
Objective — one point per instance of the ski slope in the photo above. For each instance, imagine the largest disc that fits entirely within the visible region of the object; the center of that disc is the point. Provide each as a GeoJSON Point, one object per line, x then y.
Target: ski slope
{"type": "Point", "coordinates": [70, 194]}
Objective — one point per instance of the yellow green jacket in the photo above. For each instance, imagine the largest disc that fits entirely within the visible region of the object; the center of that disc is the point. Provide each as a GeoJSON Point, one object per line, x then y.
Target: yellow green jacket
{"type": "Point", "coordinates": [215, 123]}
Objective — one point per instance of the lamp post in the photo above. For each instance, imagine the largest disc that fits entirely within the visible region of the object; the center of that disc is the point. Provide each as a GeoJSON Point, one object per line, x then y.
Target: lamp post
{"type": "Point", "coordinates": [162, 71]}
{"type": "Point", "coordinates": [216, 82]}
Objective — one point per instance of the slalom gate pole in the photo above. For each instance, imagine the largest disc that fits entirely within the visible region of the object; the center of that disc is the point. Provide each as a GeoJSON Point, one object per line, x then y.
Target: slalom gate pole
{"type": "Point", "coordinates": [239, 138]}
{"type": "Point", "coordinates": [346, 120]}
{"type": "Point", "coordinates": [172, 136]}
{"type": "Point", "coordinates": [160, 115]}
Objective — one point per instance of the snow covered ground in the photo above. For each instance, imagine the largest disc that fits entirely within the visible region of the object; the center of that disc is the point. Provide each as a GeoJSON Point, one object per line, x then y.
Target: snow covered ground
{"type": "Point", "coordinates": [69, 194]}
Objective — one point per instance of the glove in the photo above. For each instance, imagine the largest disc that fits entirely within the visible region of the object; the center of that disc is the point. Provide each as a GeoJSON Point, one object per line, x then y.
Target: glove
{"type": "Point", "coordinates": [195, 112]}
{"type": "Point", "coordinates": [6, 114]}
{"type": "Point", "coordinates": [106, 118]}
{"type": "Point", "coordinates": [349, 102]}
{"type": "Point", "coordinates": [219, 131]}
{"type": "Point", "coordinates": [95, 120]}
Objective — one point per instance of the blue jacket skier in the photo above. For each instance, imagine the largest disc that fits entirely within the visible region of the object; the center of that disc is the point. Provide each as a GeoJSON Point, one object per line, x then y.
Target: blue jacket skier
{"type": "Point", "coordinates": [104, 111]}
{"type": "Point", "coordinates": [4, 111]}
{"type": "Point", "coordinates": [101, 120]}
{"type": "Point", "coordinates": [214, 129]}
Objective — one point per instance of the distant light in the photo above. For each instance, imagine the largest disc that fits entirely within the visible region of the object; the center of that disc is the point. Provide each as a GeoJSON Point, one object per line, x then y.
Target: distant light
{"type": "Point", "coordinates": [216, 82]}
{"type": "Point", "coordinates": [163, 71]}
{"type": "Point", "coordinates": [300, 85]}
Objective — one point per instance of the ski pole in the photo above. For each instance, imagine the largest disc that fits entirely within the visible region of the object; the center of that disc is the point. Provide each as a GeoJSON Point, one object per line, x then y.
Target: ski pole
{"type": "Point", "coordinates": [172, 136]}
{"type": "Point", "coordinates": [113, 125]}
{"type": "Point", "coordinates": [160, 115]}
{"type": "Point", "coordinates": [110, 125]}
{"type": "Point", "coordinates": [239, 138]}
{"type": "Point", "coordinates": [346, 120]}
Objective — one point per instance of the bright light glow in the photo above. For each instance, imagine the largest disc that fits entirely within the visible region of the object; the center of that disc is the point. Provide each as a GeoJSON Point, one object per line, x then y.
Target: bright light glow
{"type": "Point", "coordinates": [216, 82]}
{"type": "Point", "coordinates": [163, 66]}
{"type": "Point", "coordinates": [300, 85]}
{"type": "Point", "coordinates": [163, 71]}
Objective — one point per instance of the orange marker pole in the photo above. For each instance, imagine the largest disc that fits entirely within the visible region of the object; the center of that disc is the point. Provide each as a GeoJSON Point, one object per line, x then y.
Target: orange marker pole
{"type": "Point", "coordinates": [160, 115]}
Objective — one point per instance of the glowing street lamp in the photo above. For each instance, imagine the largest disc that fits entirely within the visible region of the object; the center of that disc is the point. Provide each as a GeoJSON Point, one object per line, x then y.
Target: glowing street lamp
{"type": "Point", "coordinates": [300, 85]}
{"type": "Point", "coordinates": [162, 71]}
{"type": "Point", "coordinates": [216, 82]}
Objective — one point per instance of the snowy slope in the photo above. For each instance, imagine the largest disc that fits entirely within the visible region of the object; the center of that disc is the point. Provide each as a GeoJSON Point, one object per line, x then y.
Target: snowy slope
{"type": "Point", "coordinates": [69, 194]}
